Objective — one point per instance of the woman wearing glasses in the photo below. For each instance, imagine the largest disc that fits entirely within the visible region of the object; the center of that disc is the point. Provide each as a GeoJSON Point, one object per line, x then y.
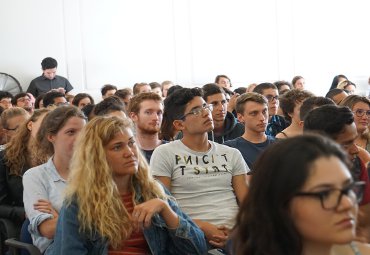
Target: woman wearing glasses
{"type": "Point", "coordinates": [360, 106]}
{"type": "Point", "coordinates": [302, 200]}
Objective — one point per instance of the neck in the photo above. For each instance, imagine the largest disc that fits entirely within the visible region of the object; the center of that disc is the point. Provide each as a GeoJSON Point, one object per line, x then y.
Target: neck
{"type": "Point", "coordinates": [147, 141]}
{"type": "Point", "coordinates": [196, 142]}
{"type": "Point", "coordinates": [317, 249]}
{"type": "Point", "coordinates": [61, 164]}
{"type": "Point", "coordinates": [123, 183]}
{"type": "Point", "coordinates": [254, 137]}
{"type": "Point", "coordinates": [218, 127]}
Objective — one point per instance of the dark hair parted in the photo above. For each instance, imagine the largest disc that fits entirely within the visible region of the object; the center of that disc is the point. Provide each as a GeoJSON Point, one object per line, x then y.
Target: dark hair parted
{"type": "Point", "coordinates": [52, 123]}
{"type": "Point", "coordinates": [134, 105]}
{"type": "Point", "coordinates": [279, 84]}
{"type": "Point", "coordinates": [76, 100]}
{"type": "Point", "coordinates": [106, 88]}
{"type": "Point", "coordinates": [249, 97]}
{"type": "Point", "coordinates": [240, 90]}
{"type": "Point", "coordinates": [290, 99]}
{"type": "Point", "coordinates": [261, 87]}
{"type": "Point", "coordinates": [49, 63]}
{"type": "Point", "coordinates": [264, 222]}
{"type": "Point", "coordinates": [311, 103]}
{"type": "Point", "coordinates": [211, 89]}
{"type": "Point", "coordinates": [174, 109]}
{"type": "Point", "coordinates": [329, 120]}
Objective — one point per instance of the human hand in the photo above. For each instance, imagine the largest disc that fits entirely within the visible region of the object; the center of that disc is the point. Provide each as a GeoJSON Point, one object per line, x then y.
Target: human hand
{"type": "Point", "coordinates": [143, 213]}
{"type": "Point", "coordinates": [216, 235]}
{"type": "Point", "coordinates": [45, 206]}
{"type": "Point", "coordinates": [232, 102]}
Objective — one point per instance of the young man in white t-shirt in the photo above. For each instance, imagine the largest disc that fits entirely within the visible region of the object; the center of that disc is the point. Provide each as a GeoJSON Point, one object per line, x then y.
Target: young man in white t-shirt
{"type": "Point", "coordinates": [207, 179]}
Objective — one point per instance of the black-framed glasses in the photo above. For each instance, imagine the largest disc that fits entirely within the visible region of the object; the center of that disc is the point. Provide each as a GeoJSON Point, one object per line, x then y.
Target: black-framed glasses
{"type": "Point", "coordinates": [270, 98]}
{"type": "Point", "coordinates": [331, 198]}
{"type": "Point", "coordinates": [197, 111]}
{"type": "Point", "coordinates": [361, 112]}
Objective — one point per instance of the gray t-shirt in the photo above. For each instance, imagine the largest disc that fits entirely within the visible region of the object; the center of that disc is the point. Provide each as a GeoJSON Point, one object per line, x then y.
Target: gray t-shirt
{"type": "Point", "coordinates": [201, 182]}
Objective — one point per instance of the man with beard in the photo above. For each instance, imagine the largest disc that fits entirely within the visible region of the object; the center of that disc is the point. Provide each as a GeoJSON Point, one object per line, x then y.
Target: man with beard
{"type": "Point", "coordinates": [226, 126]}
{"type": "Point", "coordinates": [24, 101]}
{"type": "Point", "coordinates": [146, 111]}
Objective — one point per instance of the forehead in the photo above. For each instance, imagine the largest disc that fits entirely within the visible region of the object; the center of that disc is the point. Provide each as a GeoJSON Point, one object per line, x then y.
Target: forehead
{"type": "Point", "coordinates": [361, 105]}
{"type": "Point", "coordinates": [216, 98]}
{"type": "Point", "coordinates": [327, 170]}
{"type": "Point", "coordinates": [270, 91]}
{"type": "Point", "coordinates": [123, 135]}
{"type": "Point", "coordinates": [251, 106]}
{"type": "Point", "coordinates": [348, 134]}
{"type": "Point", "coordinates": [50, 70]}
{"type": "Point", "coordinates": [195, 102]}
{"type": "Point", "coordinates": [151, 104]}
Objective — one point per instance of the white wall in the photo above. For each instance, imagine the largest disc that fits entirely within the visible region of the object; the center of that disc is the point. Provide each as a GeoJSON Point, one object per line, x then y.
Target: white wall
{"type": "Point", "coordinates": [187, 41]}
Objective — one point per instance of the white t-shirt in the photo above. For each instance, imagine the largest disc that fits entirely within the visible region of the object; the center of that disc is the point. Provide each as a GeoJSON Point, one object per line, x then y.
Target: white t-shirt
{"type": "Point", "coordinates": [201, 182]}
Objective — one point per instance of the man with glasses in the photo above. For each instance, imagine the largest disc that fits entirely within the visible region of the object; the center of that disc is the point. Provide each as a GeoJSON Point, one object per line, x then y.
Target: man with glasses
{"type": "Point", "coordinates": [146, 111]}
{"type": "Point", "coordinates": [252, 111]}
{"type": "Point", "coordinates": [207, 179]}
{"type": "Point", "coordinates": [24, 101]}
{"type": "Point", "coordinates": [338, 123]}
{"type": "Point", "coordinates": [277, 123]}
{"type": "Point", "coordinates": [226, 126]}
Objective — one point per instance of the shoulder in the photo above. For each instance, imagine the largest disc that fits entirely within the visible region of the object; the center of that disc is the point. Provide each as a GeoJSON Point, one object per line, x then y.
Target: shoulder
{"type": "Point", "coordinates": [35, 172]}
{"type": "Point", "coordinates": [233, 142]}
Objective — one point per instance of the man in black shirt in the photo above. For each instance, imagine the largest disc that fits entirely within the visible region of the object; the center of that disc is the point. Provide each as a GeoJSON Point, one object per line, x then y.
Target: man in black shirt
{"type": "Point", "coordinates": [49, 80]}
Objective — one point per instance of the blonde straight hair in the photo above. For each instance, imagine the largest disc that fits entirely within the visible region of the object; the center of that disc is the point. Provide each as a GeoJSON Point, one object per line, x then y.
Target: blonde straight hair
{"type": "Point", "coordinates": [92, 186]}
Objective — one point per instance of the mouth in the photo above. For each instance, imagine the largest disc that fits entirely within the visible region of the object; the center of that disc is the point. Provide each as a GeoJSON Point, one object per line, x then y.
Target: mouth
{"type": "Point", "coordinates": [131, 163]}
{"type": "Point", "coordinates": [346, 223]}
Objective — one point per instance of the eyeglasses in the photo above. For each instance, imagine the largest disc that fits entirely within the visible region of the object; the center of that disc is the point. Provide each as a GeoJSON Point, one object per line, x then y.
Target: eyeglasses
{"type": "Point", "coordinates": [270, 98]}
{"type": "Point", "coordinates": [331, 198]}
{"type": "Point", "coordinates": [361, 112]}
{"type": "Point", "coordinates": [197, 111]}
{"type": "Point", "coordinates": [61, 103]}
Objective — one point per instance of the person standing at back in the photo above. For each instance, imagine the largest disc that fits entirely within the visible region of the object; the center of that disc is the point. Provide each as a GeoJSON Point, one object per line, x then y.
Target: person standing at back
{"type": "Point", "coordinates": [49, 80]}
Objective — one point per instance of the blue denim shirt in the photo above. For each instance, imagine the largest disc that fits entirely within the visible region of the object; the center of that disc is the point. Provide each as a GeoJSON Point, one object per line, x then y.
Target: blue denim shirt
{"type": "Point", "coordinates": [186, 239]}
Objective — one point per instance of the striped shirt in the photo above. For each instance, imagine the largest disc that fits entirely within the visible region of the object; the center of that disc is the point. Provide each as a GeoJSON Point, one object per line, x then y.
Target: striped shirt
{"type": "Point", "coordinates": [136, 243]}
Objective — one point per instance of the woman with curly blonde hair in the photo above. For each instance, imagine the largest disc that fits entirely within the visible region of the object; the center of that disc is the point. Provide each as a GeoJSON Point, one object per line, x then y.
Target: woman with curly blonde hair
{"type": "Point", "coordinates": [113, 205]}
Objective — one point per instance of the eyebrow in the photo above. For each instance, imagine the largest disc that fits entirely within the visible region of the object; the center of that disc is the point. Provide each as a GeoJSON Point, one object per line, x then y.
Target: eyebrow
{"type": "Point", "coordinates": [331, 185]}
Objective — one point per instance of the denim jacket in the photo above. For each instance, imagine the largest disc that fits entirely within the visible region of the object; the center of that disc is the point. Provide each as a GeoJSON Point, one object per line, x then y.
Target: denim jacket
{"type": "Point", "coordinates": [186, 239]}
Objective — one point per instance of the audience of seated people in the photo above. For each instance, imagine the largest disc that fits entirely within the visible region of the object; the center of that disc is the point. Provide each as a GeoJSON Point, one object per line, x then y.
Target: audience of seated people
{"type": "Point", "coordinates": [201, 185]}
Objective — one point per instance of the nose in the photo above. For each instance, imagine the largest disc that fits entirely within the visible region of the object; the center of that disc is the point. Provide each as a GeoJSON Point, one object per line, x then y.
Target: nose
{"type": "Point", "coordinates": [347, 202]}
{"type": "Point", "coordinates": [128, 151]}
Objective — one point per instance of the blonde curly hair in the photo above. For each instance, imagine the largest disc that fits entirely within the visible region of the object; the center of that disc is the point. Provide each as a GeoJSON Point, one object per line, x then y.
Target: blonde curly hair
{"type": "Point", "coordinates": [92, 185]}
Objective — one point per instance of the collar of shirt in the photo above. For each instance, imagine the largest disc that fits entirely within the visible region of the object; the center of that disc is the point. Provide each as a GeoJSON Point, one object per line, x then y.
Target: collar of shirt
{"type": "Point", "coordinates": [53, 171]}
